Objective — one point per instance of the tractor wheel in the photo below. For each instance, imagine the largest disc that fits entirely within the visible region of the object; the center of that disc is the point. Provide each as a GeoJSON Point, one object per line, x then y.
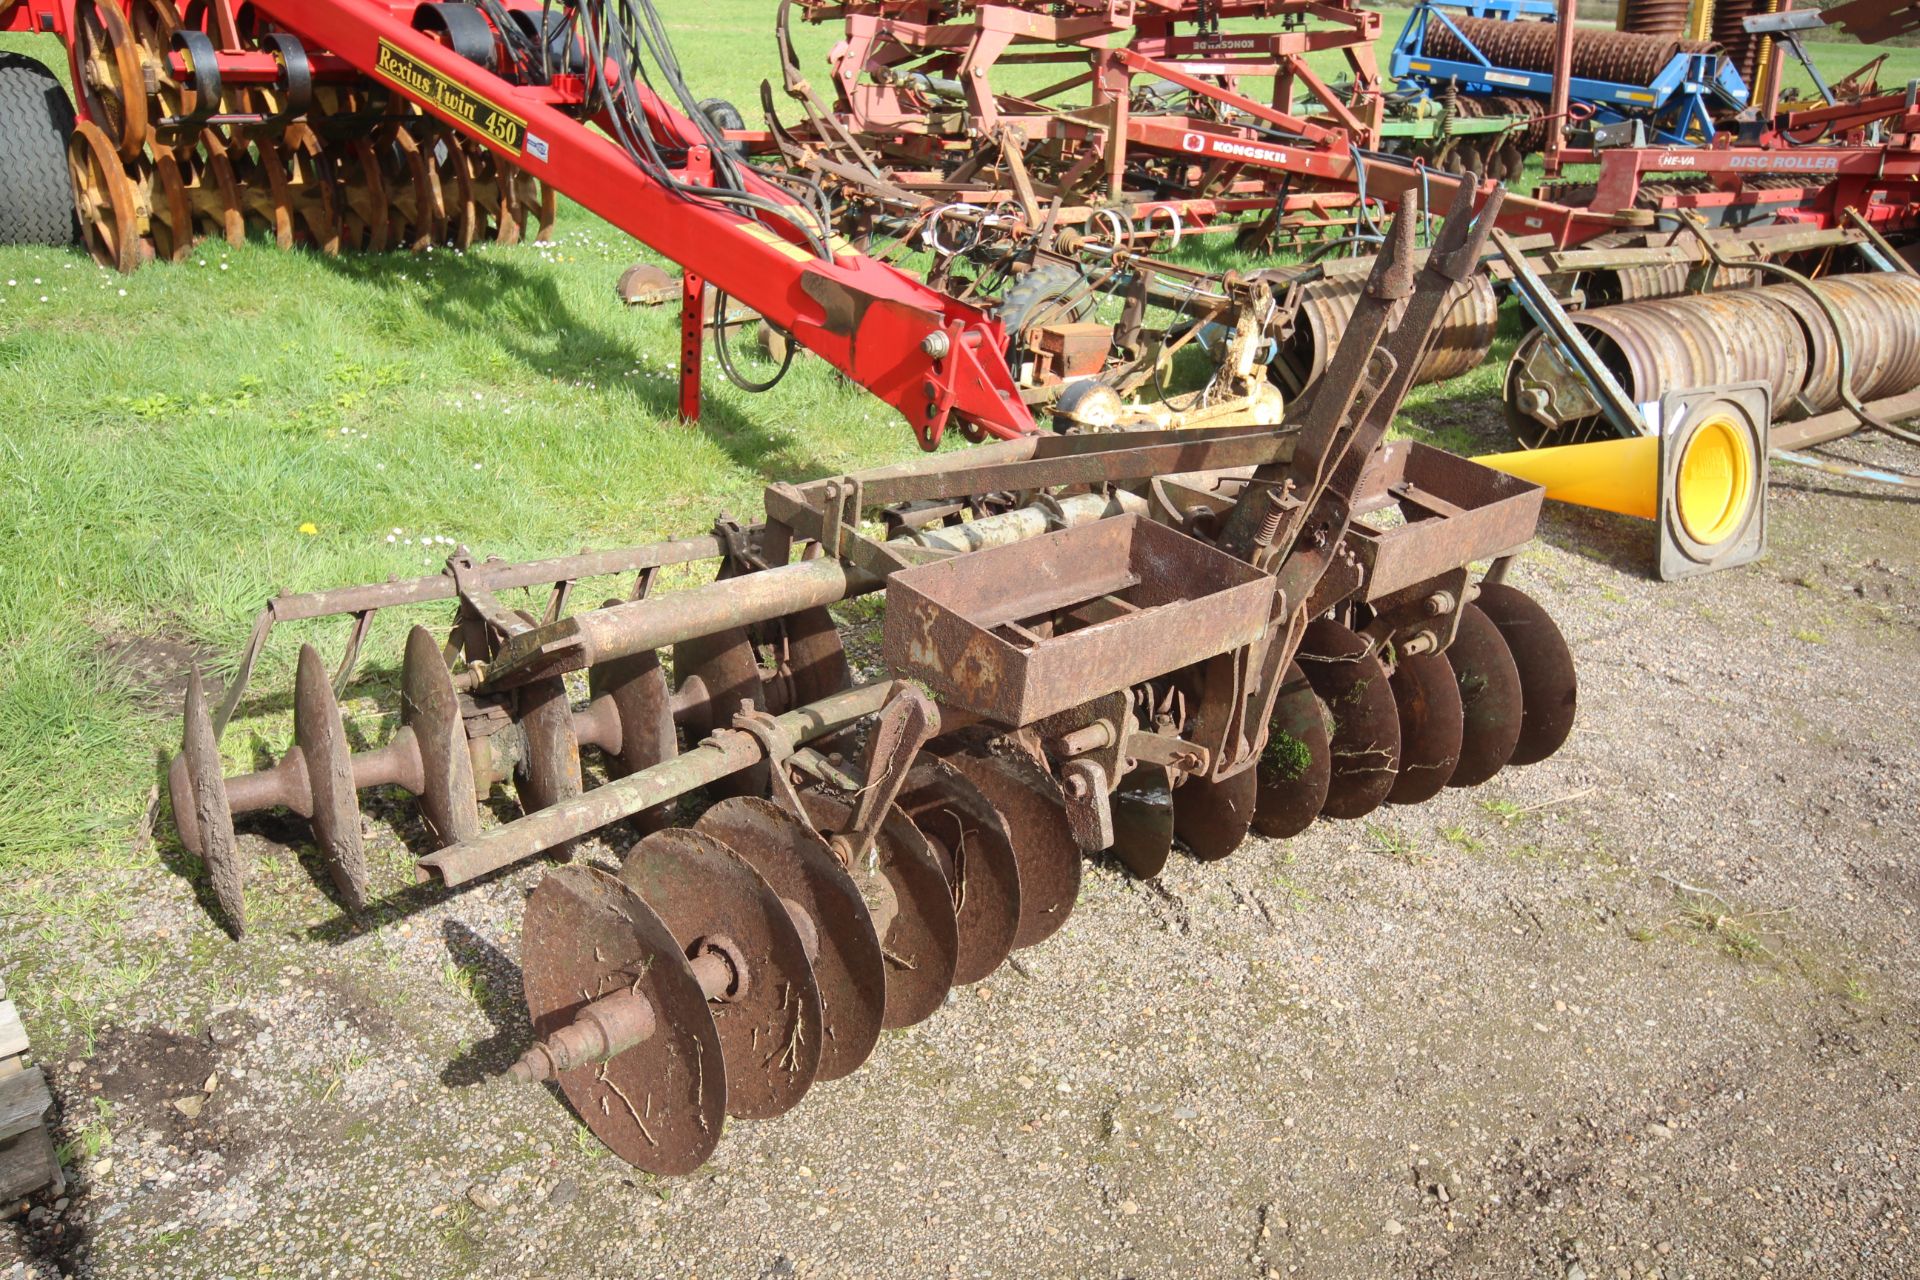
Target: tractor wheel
{"type": "Point", "coordinates": [36, 119]}
{"type": "Point", "coordinates": [723, 115]}
{"type": "Point", "coordinates": [1049, 294]}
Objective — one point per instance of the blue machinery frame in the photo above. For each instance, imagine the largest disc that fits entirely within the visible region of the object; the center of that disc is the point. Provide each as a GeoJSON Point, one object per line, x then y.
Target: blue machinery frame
{"type": "Point", "coordinates": [1675, 105]}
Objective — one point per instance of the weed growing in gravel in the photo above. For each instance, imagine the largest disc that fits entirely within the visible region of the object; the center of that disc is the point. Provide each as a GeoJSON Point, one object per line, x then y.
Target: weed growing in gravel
{"type": "Point", "coordinates": [1293, 895]}
{"type": "Point", "coordinates": [91, 1138]}
{"type": "Point", "coordinates": [1391, 843]}
{"type": "Point", "coordinates": [1505, 810]}
{"type": "Point", "coordinates": [1737, 933]}
{"type": "Point", "coordinates": [1458, 837]}
{"type": "Point", "coordinates": [587, 1145]}
{"type": "Point", "coordinates": [461, 979]}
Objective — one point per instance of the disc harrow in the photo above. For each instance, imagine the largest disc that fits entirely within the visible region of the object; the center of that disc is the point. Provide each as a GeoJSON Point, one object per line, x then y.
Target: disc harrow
{"type": "Point", "coordinates": [318, 159]}
{"type": "Point", "coordinates": [1106, 642]}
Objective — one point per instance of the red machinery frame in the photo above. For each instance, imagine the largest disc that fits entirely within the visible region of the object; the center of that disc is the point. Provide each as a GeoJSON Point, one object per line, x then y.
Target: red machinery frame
{"type": "Point", "coordinates": [931, 357]}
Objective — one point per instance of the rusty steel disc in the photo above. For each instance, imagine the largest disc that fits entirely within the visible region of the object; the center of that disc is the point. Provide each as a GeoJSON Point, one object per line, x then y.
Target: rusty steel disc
{"type": "Point", "coordinates": [1364, 750]}
{"type": "Point", "coordinates": [197, 787]}
{"type": "Point", "coordinates": [638, 687]}
{"type": "Point", "coordinates": [659, 1105]}
{"type": "Point", "coordinates": [322, 743]}
{"type": "Point", "coordinates": [1211, 817]}
{"type": "Point", "coordinates": [108, 77]}
{"type": "Point", "coordinates": [727, 675]}
{"type": "Point", "coordinates": [548, 771]}
{"type": "Point", "coordinates": [103, 200]}
{"type": "Point", "coordinates": [769, 1018]}
{"type": "Point", "coordinates": [848, 964]}
{"type": "Point", "coordinates": [1143, 820]}
{"type": "Point", "coordinates": [717, 675]}
{"type": "Point", "coordinates": [912, 911]}
{"type": "Point", "coordinates": [1296, 765]}
{"type": "Point", "coordinates": [1549, 689]}
{"type": "Point", "coordinates": [1431, 723]}
{"type": "Point", "coordinates": [431, 708]}
{"type": "Point", "coordinates": [1034, 810]}
{"type": "Point", "coordinates": [1489, 698]}
{"type": "Point", "coordinates": [977, 857]}
{"type": "Point", "coordinates": [812, 659]}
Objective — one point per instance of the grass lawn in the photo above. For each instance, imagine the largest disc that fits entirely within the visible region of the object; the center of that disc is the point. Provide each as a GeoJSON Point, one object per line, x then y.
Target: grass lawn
{"type": "Point", "coordinates": [180, 444]}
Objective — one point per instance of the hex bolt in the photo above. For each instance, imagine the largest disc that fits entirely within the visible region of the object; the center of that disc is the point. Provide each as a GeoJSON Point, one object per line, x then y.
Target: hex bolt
{"type": "Point", "coordinates": [936, 344]}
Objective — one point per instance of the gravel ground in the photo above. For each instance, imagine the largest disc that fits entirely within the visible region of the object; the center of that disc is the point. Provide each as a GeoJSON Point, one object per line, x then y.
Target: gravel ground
{"type": "Point", "coordinates": [1645, 1009]}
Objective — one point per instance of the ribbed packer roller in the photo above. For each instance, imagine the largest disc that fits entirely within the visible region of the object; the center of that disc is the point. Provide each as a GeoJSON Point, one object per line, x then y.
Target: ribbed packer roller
{"type": "Point", "coordinates": [1792, 336]}
{"type": "Point", "coordinates": [1314, 315]}
{"type": "Point", "coordinates": [171, 152]}
{"type": "Point", "coordinates": [1098, 644]}
{"type": "Point", "coordinates": [1618, 57]}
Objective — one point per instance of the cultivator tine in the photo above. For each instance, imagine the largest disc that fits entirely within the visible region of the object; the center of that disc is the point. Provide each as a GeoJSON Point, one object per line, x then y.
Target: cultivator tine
{"type": "Point", "coordinates": [1490, 698]}
{"type": "Point", "coordinates": [1545, 667]}
{"type": "Point", "coordinates": [848, 963]}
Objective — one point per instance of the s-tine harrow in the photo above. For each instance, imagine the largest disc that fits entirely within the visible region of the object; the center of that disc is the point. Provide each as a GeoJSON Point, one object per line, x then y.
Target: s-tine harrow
{"type": "Point", "coordinates": [306, 153]}
{"type": "Point", "coordinates": [1092, 642]}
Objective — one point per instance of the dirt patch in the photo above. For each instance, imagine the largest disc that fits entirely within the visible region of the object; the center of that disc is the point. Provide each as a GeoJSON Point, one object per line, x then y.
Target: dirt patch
{"type": "Point", "coordinates": [164, 1080]}
{"type": "Point", "coordinates": [156, 668]}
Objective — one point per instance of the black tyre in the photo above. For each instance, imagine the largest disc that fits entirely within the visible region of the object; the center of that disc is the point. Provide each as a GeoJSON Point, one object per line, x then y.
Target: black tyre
{"type": "Point", "coordinates": [36, 118]}
{"type": "Point", "coordinates": [723, 115]}
{"type": "Point", "coordinates": [1051, 293]}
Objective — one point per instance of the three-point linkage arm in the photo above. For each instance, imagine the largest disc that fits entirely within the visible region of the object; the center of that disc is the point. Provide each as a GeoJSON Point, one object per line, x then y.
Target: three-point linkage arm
{"type": "Point", "coordinates": [934, 359]}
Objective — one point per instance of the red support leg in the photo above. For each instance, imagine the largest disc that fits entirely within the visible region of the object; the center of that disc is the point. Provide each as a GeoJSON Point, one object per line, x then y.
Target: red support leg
{"type": "Point", "coordinates": [692, 286]}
